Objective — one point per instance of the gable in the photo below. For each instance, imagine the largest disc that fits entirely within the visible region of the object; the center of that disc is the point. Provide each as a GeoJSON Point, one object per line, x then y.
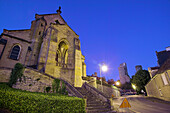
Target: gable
{"type": "Point", "coordinates": [51, 18]}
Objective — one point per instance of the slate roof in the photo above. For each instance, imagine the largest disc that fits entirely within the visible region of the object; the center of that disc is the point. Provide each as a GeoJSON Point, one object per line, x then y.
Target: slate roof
{"type": "Point", "coordinates": [162, 56]}
{"type": "Point", "coordinates": [10, 36]}
{"type": "Point", "coordinates": [164, 67]}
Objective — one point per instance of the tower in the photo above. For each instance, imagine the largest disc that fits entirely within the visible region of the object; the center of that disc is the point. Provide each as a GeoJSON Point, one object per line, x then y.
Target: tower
{"type": "Point", "coordinates": [123, 73]}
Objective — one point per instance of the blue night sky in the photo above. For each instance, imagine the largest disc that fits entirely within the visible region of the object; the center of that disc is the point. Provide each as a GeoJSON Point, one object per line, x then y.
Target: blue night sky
{"type": "Point", "coordinates": [110, 31]}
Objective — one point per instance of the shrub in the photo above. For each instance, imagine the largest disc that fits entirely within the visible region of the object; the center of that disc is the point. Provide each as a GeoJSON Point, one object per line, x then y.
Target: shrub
{"type": "Point", "coordinates": [30, 102]}
{"type": "Point", "coordinates": [63, 88]}
{"type": "Point", "coordinates": [59, 86]}
{"type": "Point", "coordinates": [48, 89]}
{"type": "Point", "coordinates": [17, 73]}
{"type": "Point", "coordinates": [55, 85]}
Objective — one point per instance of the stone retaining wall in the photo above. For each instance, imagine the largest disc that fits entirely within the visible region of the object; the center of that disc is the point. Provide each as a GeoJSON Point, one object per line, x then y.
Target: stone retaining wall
{"type": "Point", "coordinates": [34, 81]}
{"type": "Point", "coordinates": [5, 74]}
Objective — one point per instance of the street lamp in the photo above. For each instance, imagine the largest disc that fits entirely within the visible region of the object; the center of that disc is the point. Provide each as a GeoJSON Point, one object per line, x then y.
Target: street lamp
{"type": "Point", "coordinates": [117, 83]}
{"type": "Point", "coordinates": [104, 69]}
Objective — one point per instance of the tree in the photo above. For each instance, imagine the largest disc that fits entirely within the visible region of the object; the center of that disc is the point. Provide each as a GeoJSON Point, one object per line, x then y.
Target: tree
{"type": "Point", "coordinates": [126, 85]}
{"type": "Point", "coordinates": [111, 81]}
{"type": "Point", "coordinates": [140, 79]}
{"type": "Point", "coordinates": [17, 73]}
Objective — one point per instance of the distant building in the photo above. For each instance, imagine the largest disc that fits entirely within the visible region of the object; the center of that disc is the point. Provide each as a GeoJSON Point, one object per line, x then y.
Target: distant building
{"type": "Point", "coordinates": [162, 56]}
{"type": "Point", "coordinates": [138, 67]}
{"type": "Point", "coordinates": [123, 73]}
{"type": "Point", "coordinates": [159, 85]}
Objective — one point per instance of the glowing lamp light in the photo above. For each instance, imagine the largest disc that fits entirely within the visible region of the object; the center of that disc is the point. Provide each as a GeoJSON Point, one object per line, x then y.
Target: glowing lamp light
{"type": "Point", "coordinates": [104, 68]}
{"type": "Point", "coordinates": [133, 86]}
{"type": "Point", "coordinates": [117, 83]}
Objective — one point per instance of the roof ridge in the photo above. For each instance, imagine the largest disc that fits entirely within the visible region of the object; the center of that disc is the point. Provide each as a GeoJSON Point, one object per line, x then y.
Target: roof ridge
{"type": "Point", "coordinates": [17, 30]}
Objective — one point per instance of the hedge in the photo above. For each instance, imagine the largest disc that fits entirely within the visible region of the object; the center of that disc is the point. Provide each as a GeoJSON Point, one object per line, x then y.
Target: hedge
{"type": "Point", "coordinates": [29, 102]}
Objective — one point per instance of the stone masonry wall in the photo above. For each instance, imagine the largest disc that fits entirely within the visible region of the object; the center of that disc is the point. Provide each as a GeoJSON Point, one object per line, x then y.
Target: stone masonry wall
{"type": "Point", "coordinates": [4, 74]}
{"type": "Point", "coordinates": [35, 81]}
{"type": "Point", "coordinates": [156, 87]}
{"type": "Point", "coordinates": [109, 91]}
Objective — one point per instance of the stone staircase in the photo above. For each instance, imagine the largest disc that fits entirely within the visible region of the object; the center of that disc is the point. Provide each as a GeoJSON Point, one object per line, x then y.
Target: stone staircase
{"type": "Point", "coordinates": [94, 104]}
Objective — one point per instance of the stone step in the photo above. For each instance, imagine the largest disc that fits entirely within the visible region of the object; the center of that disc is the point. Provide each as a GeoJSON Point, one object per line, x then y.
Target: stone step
{"type": "Point", "coordinates": [97, 107]}
{"type": "Point", "coordinates": [105, 110]}
{"type": "Point", "coordinates": [95, 104]}
{"type": "Point", "coordinates": [91, 98]}
{"type": "Point", "coordinates": [93, 101]}
{"type": "Point", "coordinates": [108, 112]}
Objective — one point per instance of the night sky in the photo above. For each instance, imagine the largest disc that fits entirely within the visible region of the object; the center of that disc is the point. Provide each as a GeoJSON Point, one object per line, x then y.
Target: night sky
{"type": "Point", "coordinates": [110, 31]}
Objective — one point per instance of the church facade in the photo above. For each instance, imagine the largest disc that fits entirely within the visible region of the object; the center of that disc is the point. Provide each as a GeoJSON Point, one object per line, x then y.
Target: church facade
{"type": "Point", "coordinates": [49, 46]}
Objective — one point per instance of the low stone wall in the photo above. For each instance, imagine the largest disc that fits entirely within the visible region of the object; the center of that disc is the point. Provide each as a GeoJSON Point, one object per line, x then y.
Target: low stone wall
{"type": "Point", "coordinates": [34, 81]}
{"type": "Point", "coordinates": [97, 93]}
{"type": "Point", "coordinates": [109, 91]}
{"type": "Point", "coordinates": [5, 74]}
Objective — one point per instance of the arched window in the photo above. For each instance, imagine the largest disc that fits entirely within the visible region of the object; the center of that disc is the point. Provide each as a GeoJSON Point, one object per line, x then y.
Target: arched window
{"type": "Point", "coordinates": [62, 53]}
{"type": "Point", "coordinates": [15, 53]}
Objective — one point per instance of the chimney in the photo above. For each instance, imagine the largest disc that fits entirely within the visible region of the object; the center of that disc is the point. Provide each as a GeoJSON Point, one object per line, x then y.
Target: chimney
{"type": "Point", "coordinates": [168, 48]}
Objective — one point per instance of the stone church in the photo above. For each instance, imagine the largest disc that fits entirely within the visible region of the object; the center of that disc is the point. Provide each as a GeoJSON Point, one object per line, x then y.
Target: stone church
{"type": "Point", "coordinates": [49, 46]}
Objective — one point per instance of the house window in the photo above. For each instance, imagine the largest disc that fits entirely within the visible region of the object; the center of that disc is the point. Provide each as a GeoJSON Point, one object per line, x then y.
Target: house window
{"type": "Point", "coordinates": [164, 79]}
{"type": "Point", "coordinates": [15, 53]}
{"type": "Point", "coordinates": [1, 49]}
{"type": "Point", "coordinates": [160, 92]}
{"type": "Point", "coordinates": [168, 76]}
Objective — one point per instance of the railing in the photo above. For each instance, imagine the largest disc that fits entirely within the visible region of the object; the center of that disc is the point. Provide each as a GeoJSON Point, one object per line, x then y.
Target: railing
{"type": "Point", "coordinates": [97, 93]}
{"type": "Point", "coordinates": [72, 89]}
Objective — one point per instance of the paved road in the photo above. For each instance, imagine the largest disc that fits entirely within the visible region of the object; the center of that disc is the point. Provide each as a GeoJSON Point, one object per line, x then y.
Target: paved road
{"type": "Point", "coordinates": [140, 104]}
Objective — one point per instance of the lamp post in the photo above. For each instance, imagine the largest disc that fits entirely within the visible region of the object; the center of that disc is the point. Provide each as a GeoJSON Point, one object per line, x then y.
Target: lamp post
{"type": "Point", "coordinates": [104, 69]}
